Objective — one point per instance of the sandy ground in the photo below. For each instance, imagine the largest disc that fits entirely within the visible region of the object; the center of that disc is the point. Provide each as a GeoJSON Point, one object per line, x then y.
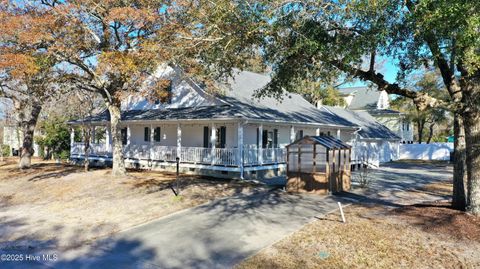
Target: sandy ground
{"type": "Point", "coordinates": [404, 221]}
{"type": "Point", "coordinates": [375, 237]}
{"type": "Point", "coordinates": [61, 206]}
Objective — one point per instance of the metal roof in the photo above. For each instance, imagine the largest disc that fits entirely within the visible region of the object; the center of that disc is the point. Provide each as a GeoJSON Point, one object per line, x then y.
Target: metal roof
{"type": "Point", "coordinates": [328, 142]}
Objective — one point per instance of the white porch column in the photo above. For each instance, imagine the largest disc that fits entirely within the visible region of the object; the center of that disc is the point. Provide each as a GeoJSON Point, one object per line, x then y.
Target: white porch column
{"type": "Point", "coordinates": [72, 138]}
{"type": "Point", "coordinates": [107, 139]}
{"type": "Point", "coordinates": [240, 148]}
{"type": "Point", "coordinates": [129, 134]}
{"type": "Point", "coordinates": [292, 134]}
{"type": "Point", "coordinates": [213, 142]}
{"type": "Point", "coordinates": [260, 144]}
{"type": "Point", "coordinates": [151, 141]}
{"type": "Point", "coordinates": [179, 140]}
{"type": "Point", "coordinates": [317, 132]}
{"type": "Point", "coordinates": [338, 134]}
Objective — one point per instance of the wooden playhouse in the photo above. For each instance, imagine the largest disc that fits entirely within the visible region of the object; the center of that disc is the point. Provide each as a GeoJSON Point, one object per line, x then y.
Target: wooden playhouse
{"type": "Point", "coordinates": [318, 164]}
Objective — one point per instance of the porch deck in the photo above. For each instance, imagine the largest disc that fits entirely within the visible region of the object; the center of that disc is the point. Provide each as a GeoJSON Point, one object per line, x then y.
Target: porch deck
{"type": "Point", "coordinates": [231, 157]}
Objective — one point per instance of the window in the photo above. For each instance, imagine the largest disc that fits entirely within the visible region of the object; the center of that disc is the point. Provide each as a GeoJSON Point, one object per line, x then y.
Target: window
{"type": "Point", "coordinates": [156, 134]}
{"type": "Point", "coordinates": [146, 135]}
{"type": "Point", "coordinates": [408, 126]}
{"type": "Point", "coordinates": [123, 133]}
{"type": "Point", "coordinates": [220, 133]}
{"type": "Point", "coordinates": [328, 133]}
{"type": "Point", "coordinates": [206, 137]}
{"type": "Point", "coordinates": [221, 137]}
{"type": "Point", "coordinates": [322, 134]}
{"type": "Point", "coordinates": [275, 138]}
{"type": "Point", "coordinates": [299, 135]}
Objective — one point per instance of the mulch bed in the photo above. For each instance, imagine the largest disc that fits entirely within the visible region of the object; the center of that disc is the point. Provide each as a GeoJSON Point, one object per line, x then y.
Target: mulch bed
{"type": "Point", "coordinates": [440, 218]}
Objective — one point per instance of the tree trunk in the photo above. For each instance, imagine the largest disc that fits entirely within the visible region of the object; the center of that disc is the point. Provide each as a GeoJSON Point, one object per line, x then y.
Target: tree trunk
{"type": "Point", "coordinates": [27, 124]}
{"type": "Point", "coordinates": [118, 168]}
{"type": "Point", "coordinates": [430, 132]}
{"type": "Point", "coordinates": [86, 143]}
{"type": "Point", "coordinates": [420, 126]}
{"type": "Point", "coordinates": [471, 97]}
{"type": "Point", "coordinates": [459, 199]}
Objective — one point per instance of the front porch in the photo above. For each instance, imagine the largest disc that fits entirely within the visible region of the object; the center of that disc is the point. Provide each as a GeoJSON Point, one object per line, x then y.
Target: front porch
{"type": "Point", "coordinates": [228, 157]}
{"type": "Point", "coordinates": [233, 149]}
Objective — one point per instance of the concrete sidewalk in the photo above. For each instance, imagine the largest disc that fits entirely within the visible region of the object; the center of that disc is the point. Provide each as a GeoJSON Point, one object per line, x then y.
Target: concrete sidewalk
{"type": "Point", "coordinates": [215, 235]}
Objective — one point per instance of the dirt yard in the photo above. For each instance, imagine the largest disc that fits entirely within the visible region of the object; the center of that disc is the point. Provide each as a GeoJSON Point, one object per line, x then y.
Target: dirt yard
{"type": "Point", "coordinates": [58, 205]}
{"type": "Point", "coordinates": [428, 235]}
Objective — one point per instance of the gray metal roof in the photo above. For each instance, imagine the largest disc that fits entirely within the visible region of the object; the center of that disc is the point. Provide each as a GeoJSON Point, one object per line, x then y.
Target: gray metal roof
{"type": "Point", "coordinates": [363, 97]}
{"type": "Point", "coordinates": [326, 141]}
{"type": "Point", "coordinates": [239, 103]}
{"type": "Point", "coordinates": [370, 128]}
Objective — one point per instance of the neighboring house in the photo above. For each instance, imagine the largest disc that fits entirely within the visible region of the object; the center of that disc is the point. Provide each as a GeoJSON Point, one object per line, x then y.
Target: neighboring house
{"type": "Point", "coordinates": [374, 143]}
{"type": "Point", "coordinates": [229, 134]}
{"type": "Point", "coordinates": [12, 136]}
{"type": "Point", "coordinates": [377, 104]}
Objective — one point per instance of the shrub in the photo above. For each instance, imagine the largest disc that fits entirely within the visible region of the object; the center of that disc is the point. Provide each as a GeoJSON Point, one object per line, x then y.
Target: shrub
{"type": "Point", "coordinates": [5, 150]}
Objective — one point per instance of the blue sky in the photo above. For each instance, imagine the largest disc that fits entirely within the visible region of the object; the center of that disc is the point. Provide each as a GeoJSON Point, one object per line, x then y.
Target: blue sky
{"type": "Point", "coordinates": [389, 69]}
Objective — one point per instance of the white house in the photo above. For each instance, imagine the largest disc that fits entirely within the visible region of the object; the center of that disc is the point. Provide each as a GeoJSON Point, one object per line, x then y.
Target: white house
{"type": "Point", "coordinates": [374, 143]}
{"type": "Point", "coordinates": [377, 104]}
{"type": "Point", "coordinates": [229, 134]}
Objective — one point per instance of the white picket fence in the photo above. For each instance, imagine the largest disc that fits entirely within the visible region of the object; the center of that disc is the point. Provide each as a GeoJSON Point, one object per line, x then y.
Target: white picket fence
{"type": "Point", "coordinates": [433, 151]}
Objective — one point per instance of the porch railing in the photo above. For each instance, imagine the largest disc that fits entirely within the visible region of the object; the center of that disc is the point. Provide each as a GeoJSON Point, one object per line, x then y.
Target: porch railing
{"type": "Point", "coordinates": [254, 156]}
{"type": "Point", "coordinates": [94, 149]}
{"type": "Point", "coordinates": [195, 155]}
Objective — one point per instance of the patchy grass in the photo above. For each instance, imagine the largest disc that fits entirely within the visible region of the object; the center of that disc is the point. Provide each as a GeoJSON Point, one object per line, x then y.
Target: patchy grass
{"type": "Point", "coordinates": [442, 188]}
{"type": "Point", "coordinates": [59, 205]}
{"type": "Point", "coordinates": [375, 237]}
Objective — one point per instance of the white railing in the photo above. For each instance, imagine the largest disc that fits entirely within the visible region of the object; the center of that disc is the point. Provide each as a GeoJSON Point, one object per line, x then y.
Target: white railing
{"type": "Point", "coordinates": [195, 155]}
{"type": "Point", "coordinates": [163, 153]}
{"type": "Point", "coordinates": [254, 156]}
{"type": "Point", "coordinates": [94, 149]}
{"type": "Point", "coordinates": [225, 157]}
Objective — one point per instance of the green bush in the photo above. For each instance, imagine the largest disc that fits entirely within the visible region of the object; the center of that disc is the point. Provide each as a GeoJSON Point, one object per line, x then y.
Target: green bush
{"type": "Point", "coordinates": [64, 155]}
{"type": "Point", "coordinates": [5, 150]}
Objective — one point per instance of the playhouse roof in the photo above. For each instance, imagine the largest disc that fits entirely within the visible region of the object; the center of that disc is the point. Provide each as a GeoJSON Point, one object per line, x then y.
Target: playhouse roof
{"type": "Point", "coordinates": [328, 142]}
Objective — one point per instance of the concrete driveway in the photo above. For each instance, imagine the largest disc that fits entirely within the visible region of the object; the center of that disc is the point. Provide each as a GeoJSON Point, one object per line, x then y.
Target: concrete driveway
{"type": "Point", "coordinates": [215, 235]}
{"type": "Point", "coordinates": [402, 183]}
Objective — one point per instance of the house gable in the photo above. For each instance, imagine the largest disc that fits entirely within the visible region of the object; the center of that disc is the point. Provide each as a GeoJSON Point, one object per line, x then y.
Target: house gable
{"type": "Point", "coordinates": [184, 92]}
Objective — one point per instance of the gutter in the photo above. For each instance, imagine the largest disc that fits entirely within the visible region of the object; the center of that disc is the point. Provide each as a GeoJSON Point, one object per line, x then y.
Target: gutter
{"type": "Point", "coordinates": [246, 121]}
